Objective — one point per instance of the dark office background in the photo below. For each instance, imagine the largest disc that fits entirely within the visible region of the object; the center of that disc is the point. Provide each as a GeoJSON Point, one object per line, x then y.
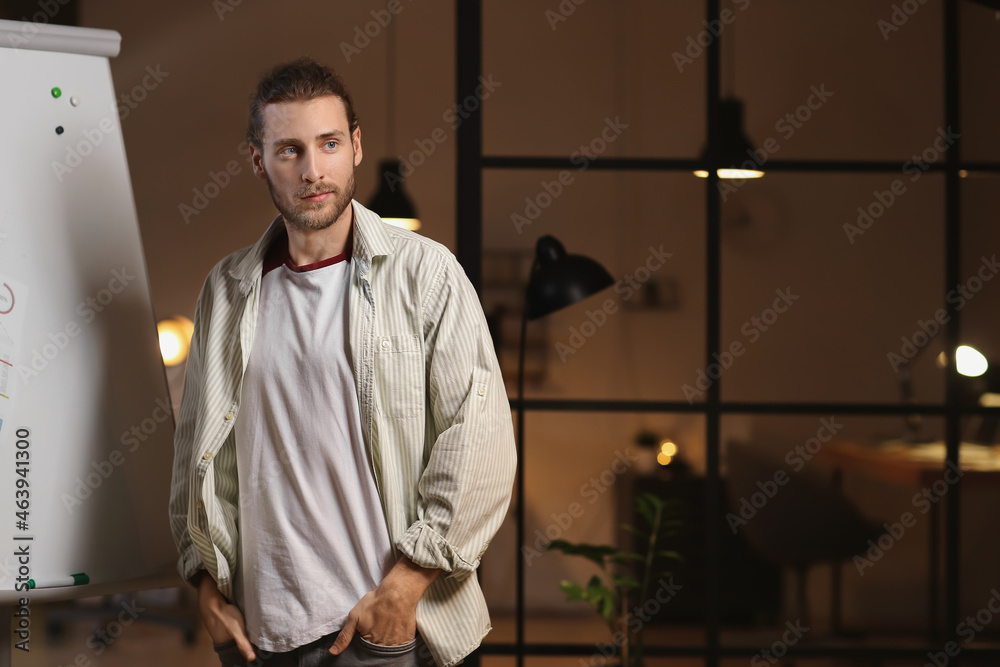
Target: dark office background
{"type": "Point", "coordinates": [894, 77]}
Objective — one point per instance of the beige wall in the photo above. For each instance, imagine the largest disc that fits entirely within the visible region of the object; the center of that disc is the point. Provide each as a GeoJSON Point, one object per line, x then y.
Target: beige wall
{"type": "Point", "coordinates": [558, 87]}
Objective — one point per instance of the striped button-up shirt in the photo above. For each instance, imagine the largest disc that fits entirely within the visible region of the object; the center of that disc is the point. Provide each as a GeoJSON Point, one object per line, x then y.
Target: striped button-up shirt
{"type": "Point", "coordinates": [435, 418]}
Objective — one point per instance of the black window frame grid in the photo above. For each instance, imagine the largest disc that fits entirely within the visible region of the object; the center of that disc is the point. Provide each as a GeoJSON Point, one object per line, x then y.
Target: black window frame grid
{"type": "Point", "coordinates": [471, 163]}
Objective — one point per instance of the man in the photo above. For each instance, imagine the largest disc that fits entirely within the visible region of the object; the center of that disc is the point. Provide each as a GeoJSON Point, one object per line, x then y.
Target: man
{"type": "Point", "coordinates": [344, 450]}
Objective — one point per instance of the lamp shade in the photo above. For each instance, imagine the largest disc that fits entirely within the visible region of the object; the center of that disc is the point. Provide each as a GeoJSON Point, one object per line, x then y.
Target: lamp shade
{"type": "Point", "coordinates": [736, 152]}
{"type": "Point", "coordinates": [559, 280]}
{"type": "Point", "coordinates": [390, 201]}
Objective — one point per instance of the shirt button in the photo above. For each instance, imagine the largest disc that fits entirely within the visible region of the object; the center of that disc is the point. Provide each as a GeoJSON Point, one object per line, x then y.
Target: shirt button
{"type": "Point", "coordinates": [207, 456]}
{"type": "Point", "coordinates": [385, 343]}
{"type": "Point", "coordinates": [481, 391]}
{"type": "Point", "coordinates": [229, 416]}
{"type": "Point", "coordinates": [201, 505]}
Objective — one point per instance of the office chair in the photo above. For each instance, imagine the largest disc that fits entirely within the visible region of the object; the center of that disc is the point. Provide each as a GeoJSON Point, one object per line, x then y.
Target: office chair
{"type": "Point", "coordinates": [804, 523]}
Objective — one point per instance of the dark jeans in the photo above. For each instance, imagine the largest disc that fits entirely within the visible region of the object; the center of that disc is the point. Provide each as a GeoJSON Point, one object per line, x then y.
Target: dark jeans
{"type": "Point", "coordinates": [359, 653]}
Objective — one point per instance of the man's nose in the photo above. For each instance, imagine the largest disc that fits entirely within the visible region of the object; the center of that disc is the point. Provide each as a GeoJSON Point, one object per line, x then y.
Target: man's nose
{"type": "Point", "coordinates": [310, 168]}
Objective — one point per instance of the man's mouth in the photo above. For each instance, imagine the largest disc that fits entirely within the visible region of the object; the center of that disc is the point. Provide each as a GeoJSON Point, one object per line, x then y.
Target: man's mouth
{"type": "Point", "coordinates": [318, 197]}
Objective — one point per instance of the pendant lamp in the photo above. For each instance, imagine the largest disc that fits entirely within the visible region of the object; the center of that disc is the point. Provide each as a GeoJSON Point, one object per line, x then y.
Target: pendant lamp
{"type": "Point", "coordinates": [735, 150]}
{"type": "Point", "coordinates": [390, 200]}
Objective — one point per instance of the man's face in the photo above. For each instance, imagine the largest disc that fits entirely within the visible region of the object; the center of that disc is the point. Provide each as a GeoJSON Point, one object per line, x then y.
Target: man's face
{"type": "Point", "coordinates": [308, 161]}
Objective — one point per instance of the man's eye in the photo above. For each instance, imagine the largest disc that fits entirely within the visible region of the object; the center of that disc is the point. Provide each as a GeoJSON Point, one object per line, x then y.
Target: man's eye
{"type": "Point", "coordinates": [285, 151]}
{"type": "Point", "coordinates": [331, 144]}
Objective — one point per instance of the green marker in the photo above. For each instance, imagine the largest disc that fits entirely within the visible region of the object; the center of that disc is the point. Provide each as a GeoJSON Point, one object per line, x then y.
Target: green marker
{"type": "Point", "coordinates": [78, 579]}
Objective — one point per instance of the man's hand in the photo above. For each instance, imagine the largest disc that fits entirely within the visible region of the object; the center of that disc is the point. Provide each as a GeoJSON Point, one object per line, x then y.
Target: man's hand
{"type": "Point", "coordinates": [223, 620]}
{"type": "Point", "coordinates": [388, 614]}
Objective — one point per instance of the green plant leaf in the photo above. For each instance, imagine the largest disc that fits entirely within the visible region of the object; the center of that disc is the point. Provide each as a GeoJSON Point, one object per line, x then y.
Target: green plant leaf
{"type": "Point", "coordinates": [573, 591]}
{"type": "Point", "coordinates": [631, 529]}
{"type": "Point", "coordinates": [673, 555]}
{"type": "Point", "coordinates": [653, 499]}
{"type": "Point", "coordinates": [645, 508]}
{"type": "Point", "coordinates": [625, 581]}
{"type": "Point", "coordinates": [592, 552]}
{"type": "Point", "coordinates": [599, 596]}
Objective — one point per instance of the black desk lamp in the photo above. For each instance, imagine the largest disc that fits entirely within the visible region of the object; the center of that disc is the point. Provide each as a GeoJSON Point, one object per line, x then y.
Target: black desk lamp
{"type": "Point", "coordinates": [979, 384]}
{"type": "Point", "coordinates": [557, 280]}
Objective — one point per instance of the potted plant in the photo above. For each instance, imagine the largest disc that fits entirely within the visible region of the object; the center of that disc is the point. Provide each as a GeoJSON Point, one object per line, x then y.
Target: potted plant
{"type": "Point", "coordinates": [620, 596]}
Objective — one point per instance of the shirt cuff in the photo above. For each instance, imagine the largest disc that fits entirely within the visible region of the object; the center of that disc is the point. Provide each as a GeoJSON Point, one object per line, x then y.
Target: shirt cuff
{"type": "Point", "coordinates": [427, 548]}
{"type": "Point", "coordinates": [190, 562]}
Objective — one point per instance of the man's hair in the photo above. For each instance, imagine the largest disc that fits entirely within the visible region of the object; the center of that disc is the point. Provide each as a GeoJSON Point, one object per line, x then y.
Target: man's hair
{"type": "Point", "coordinates": [299, 80]}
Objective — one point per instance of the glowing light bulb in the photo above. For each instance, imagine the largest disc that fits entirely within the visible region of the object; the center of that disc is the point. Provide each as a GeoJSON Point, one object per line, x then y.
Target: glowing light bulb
{"type": "Point", "coordinates": [175, 339]}
{"type": "Point", "coordinates": [170, 347]}
{"type": "Point", "coordinates": [740, 173]}
{"type": "Point", "coordinates": [969, 361]}
{"type": "Point", "coordinates": [668, 448]}
{"type": "Point", "coordinates": [731, 173]}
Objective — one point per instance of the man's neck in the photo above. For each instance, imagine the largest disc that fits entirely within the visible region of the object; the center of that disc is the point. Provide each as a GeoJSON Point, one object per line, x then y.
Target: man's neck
{"type": "Point", "coordinates": [307, 246]}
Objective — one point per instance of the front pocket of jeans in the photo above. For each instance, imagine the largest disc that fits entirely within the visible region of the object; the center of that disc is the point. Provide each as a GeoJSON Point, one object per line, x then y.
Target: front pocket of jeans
{"type": "Point", "coordinates": [229, 654]}
{"type": "Point", "coordinates": [224, 646]}
{"type": "Point", "coordinates": [382, 649]}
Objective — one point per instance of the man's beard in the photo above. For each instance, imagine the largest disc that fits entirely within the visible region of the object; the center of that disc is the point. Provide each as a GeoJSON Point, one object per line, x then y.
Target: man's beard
{"type": "Point", "coordinates": [309, 215]}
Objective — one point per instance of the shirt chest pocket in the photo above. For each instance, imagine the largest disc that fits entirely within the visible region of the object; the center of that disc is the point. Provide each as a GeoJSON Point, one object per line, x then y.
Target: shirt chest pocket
{"type": "Point", "coordinates": [399, 376]}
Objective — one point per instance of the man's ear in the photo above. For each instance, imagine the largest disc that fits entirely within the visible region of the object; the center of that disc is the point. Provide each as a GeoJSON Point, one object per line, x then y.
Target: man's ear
{"type": "Point", "coordinates": [257, 162]}
{"type": "Point", "coordinates": [356, 142]}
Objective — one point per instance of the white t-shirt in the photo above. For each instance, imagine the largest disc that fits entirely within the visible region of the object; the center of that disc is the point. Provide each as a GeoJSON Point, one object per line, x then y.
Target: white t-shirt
{"type": "Point", "coordinates": [313, 535]}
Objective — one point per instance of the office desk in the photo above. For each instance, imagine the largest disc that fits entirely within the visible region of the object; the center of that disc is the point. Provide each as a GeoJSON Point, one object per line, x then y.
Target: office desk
{"type": "Point", "coordinates": [918, 466]}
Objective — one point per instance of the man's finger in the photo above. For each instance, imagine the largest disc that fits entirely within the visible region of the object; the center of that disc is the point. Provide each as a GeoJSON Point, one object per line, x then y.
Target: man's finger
{"type": "Point", "coordinates": [235, 626]}
{"type": "Point", "coordinates": [345, 636]}
{"type": "Point", "coordinates": [244, 645]}
{"type": "Point", "coordinates": [246, 648]}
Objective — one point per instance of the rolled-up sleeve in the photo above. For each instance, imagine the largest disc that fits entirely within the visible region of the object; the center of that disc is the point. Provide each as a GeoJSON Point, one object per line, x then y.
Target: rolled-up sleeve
{"type": "Point", "coordinates": [465, 488]}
